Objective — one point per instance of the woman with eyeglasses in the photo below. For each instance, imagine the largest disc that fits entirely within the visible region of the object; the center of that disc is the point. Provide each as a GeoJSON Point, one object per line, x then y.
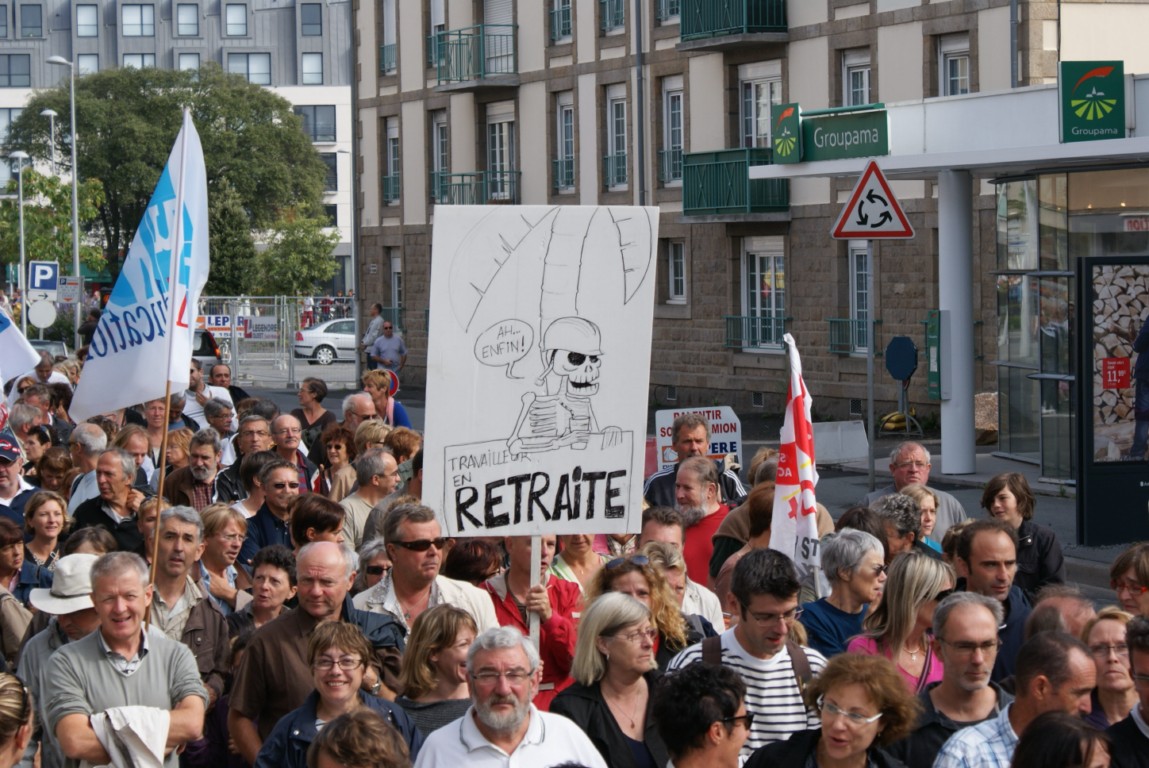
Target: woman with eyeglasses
{"type": "Point", "coordinates": [637, 577]}
{"type": "Point", "coordinates": [578, 562]}
{"type": "Point", "coordinates": [338, 655]}
{"type": "Point", "coordinates": [313, 417]}
{"type": "Point", "coordinates": [223, 532]}
{"type": "Point", "coordinates": [433, 682]}
{"type": "Point", "coordinates": [864, 706]}
{"type": "Point", "coordinates": [336, 476]}
{"type": "Point", "coordinates": [1040, 561]}
{"type": "Point", "coordinates": [855, 564]}
{"type": "Point", "coordinates": [899, 627]}
{"type": "Point", "coordinates": [373, 565]}
{"type": "Point", "coordinates": [615, 672]}
{"type": "Point", "coordinates": [1129, 577]}
{"type": "Point", "coordinates": [15, 718]}
{"type": "Point", "coordinates": [1115, 695]}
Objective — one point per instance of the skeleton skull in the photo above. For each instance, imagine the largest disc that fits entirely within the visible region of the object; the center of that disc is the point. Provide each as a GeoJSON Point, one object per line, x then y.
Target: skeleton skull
{"type": "Point", "coordinates": [582, 370]}
{"type": "Point", "coordinates": [572, 346]}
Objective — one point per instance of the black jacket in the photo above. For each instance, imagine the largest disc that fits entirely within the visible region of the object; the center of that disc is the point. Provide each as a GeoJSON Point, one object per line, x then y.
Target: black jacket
{"type": "Point", "coordinates": [127, 534]}
{"type": "Point", "coordinates": [1039, 559]}
{"type": "Point", "coordinates": [933, 728]}
{"type": "Point", "coordinates": [1128, 746]}
{"type": "Point", "coordinates": [793, 752]}
{"type": "Point", "coordinates": [586, 707]}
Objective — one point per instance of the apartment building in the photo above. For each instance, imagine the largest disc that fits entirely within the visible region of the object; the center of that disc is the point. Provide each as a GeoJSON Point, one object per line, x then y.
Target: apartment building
{"type": "Point", "coordinates": [669, 103]}
{"type": "Point", "coordinates": [300, 50]}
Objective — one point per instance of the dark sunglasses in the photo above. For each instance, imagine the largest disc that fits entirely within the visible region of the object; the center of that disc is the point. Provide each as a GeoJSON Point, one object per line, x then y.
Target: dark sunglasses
{"type": "Point", "coordinates": [281, 486]}
{"type": "Point", "coordinates": [422, 545]}
{"type": "Point", "coordinates": [636, 559]}
{"type": "Point", "coordinates": [944, 594]}
{"type": "Point", "coordinates": [376, 570]}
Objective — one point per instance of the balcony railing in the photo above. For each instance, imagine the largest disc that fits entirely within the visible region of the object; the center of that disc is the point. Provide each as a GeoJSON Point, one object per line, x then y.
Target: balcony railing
{"type": "Point", "coordinates": [670, 165]}
{"type": "Point", "coordinates": [701, 19]}
{"type": "Point", "coordinates": [474, 53]}
{"type": "Point", "coordinates": [763, 331]}
{"type": "Point", "coordinates": [667, 10]}
{"type": "Point", "coordinates": [612, 14]}
{"type": "Point", "coordinates": [433, 49]}
{"type": "Point", "coordinates": [614, 170]}
{"type": "Point", "coordinates": [848, 335]}
{"type": "Point", "coordinates": [564, 170]}
{"type": "Point", "coordinates": [719, 183]}
{"type": "Point", "coordinates": [560, 23]}
{"type": "Point", "coordinates": [477, 188]}
{"type": "Point", "coordinates": [392, 188]}
{"type": "Point", "coordinates": [387, 63]}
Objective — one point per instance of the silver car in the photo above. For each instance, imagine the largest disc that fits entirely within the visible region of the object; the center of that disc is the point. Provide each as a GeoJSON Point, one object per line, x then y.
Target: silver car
{"type": "Point", "coordinates": [327, 342]}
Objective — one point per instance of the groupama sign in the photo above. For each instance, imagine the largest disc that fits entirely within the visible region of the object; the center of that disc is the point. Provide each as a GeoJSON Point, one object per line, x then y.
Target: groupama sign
{"type": "Point", "coordinates": [828, 134]}
{"type": "Point", "coordinates": [1092, 100]}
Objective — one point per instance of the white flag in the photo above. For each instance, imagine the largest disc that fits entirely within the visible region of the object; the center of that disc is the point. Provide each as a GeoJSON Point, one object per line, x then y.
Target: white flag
{"type": "Point", "coordinates": [794, 527]}
{"type": "Point", "coordinates": [17, 356]}
{"type": "Point", "coordinates": [144, 337]}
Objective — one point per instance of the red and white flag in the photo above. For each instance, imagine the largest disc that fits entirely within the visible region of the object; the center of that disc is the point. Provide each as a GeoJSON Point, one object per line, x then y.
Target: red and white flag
{"type": "Point", "coordinates": [794, 529]}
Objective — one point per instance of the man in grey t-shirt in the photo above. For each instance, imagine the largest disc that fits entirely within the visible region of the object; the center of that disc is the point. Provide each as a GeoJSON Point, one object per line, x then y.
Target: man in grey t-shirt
{"type": "Point", "coordinates": [121, 665]}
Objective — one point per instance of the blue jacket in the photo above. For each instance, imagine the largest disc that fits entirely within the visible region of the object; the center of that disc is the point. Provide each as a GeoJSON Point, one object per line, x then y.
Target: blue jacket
{"type": "Point", "coordinates": [287, 745]}
{"type": "Point", "coordinates": [263, 529]}
{"type": "Point", "coordinates": [1011, 634]}
{"type": "Point", "coordinates": [32, 576]}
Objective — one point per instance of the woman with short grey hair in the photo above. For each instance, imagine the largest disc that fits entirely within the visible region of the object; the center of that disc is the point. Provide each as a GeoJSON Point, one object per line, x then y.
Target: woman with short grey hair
{"type": "Point", "coordinates": [854, 563]}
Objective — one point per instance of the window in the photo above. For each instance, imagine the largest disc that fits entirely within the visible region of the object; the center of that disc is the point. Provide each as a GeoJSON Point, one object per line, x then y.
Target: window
{"type": "Point", "coordinates": [859, 296]}
{"type": "Point", "coordinates": [330, 159]}
{"type": "Point", "coordinates": [87, 21]}
{"type": "Point", "coordinates": [31, 21]}
{"type": "Point", "coordinates": [501, 175]}
{"type": "Point", "coordinates": [614, 171]}
{"type": "Point", "coordinates": [3, 21]}
{"type": "Point", "coordinates": [15, 70]}
{"type": "Point", "coordinates": [312, 69]}
{"type": "Point", "coordinates": [311, 20]}
{"type": "Point", "coordinates": [318, 122]}
{"type": "Point", "coordinates": [236, 20]}
{"type": "Point", "coordinates": [187, 61]}
{"type": "Point", "coordinates": [561, 20]}
{"type": "Point", "coordinates": [764, 292]}
{"type": "Point", "coordinates": [255, 67]}
{"type": "Point", "coordinates": [138, 20]}
{"type": "Point", "coordinates": [139, 60]}
{"type": "Point", "coordinates": [565, 142]}
{"type": "Point", "coordinates": [676, 272]}
{"type": "Point", "coordinates": [388, 49]}
{"type": "Point", "coordinates": [7, 115]}
{"type": "Point", "coordinates": [953, 65]}
{"type": "Point", "coordinates": [855, 78]}
{"type": "Point", "coordinates": [612, 15]}
{"type": "Point", "coordinates": [331, 215]}
{"type": "Point", "coordinates": [396, 259]}
{"type": "Point", "coordinates": [760, 87]}
{"type": "Point", "coordinates": [87, 63]}
{"type": "Point", "coordinates": [440, 154]}
{"type": "Point", "coordinates": [667, 11]}
{"type": "Point", "coordinates": [391, 178]}
{"type": "Point", "coordinates": [187, 20]}
{"type": "Point", "coordinates": [670, 159]}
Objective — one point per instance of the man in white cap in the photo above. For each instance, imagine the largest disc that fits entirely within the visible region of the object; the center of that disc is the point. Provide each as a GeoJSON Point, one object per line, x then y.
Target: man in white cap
{"type": "Point", "coordinates": [69, 602]}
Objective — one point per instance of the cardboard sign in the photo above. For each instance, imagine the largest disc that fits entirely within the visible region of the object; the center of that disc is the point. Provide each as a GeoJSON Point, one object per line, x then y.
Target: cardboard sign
{"type": "Point", "coordinates": [538, 363]}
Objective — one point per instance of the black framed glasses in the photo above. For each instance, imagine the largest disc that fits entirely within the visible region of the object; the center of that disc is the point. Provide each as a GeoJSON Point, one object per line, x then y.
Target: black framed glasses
{"type": "Point", "coordinates": [376, 570]}
{"type": "Point", "coordinates": [422, 545]}
{"type": "Point", "coordinates": [944, 594]}
{"type": "Point", "coordinates": [281, 486]}
{"type": "Point", "coordinates": [747, 720]}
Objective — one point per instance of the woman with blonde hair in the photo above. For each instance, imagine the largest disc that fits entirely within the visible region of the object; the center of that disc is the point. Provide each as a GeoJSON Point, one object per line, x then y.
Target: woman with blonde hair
{"type": "Point", "coordinates": [15, 718]}
{"type": "Point", "coordinates": [928, 505]}
{"type": "Point", "coordinates": [46, 520]}
{"type": "Point", "coordinates": [370, 434]}
{"type": "Point", "coordinates": [224, 528]}
{"type": "Point", "coordinates": [1115, 695]}
{"type": "Point", "coordinates": [898, 628]}
{"type": "Point", "coordinates": [433, 680]}
{"type": "Point", "coordinates": [615, 672]}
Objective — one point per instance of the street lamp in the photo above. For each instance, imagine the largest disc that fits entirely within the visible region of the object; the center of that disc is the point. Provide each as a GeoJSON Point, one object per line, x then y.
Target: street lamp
{"type": "Point", "coordinates": [20, 156]}
{"type": "Point", "coordinates": [75, 185]}
{"type": "Point", "coordinates": [51, 115]}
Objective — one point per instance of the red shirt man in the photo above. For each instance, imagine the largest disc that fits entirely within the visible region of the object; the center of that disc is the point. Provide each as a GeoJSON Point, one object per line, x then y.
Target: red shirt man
{"type": "Point", "coordinates": [696, 498]}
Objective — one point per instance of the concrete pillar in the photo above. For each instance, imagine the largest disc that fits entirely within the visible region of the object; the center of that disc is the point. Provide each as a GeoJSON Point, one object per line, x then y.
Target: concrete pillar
{"type": "Point", "coordinates": [955, 275]}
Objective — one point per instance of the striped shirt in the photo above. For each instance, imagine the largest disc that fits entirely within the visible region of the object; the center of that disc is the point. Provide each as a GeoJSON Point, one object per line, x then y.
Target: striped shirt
{"type": "Point", "coordinates": [771, 689]}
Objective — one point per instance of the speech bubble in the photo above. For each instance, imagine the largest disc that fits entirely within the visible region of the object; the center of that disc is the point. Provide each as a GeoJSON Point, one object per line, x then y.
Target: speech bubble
{"type": "Point", "coordinates": [504, 343]}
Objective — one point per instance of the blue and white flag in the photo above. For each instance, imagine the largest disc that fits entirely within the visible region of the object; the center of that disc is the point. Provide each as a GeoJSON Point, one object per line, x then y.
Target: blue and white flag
{"type": "Point", "coordinates": [144, 337]}
{"type": "Point", "coordinates": [16, 355]}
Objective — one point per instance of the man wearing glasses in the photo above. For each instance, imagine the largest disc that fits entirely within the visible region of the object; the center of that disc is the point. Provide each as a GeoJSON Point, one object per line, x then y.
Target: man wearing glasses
{"type": "Point", "coordinates": [910, 465]}
{"type": "Point", "coordinates": [504, 669]}
{"type": "Point", "coordinates": [965, 640]}
{"type": "Point", "coordinates": [416, 547]}
{"type": "Point", "coordinates": [280, 483]}
{"type": "Point", "coordinates": [388, 351]}
{"type": "Point", "coordinates": [760, 649]}
{"type": "Point", "coordinates": [287, 433]}
{"type": "Point", "coordinates": [1129, 739]}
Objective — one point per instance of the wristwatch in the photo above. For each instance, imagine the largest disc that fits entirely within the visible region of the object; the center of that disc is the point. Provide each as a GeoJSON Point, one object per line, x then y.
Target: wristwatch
{"type": "Point", "coordinates": [377, 687]}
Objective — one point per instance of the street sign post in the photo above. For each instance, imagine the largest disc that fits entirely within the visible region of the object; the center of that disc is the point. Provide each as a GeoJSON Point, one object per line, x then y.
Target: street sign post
{"type": "Point", "coordinates": [43, 277]}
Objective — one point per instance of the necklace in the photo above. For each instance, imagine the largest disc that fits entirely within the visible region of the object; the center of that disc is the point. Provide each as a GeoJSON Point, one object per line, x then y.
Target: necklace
{"type": "Point", "coordinates": [425, 601]}
{"type": "Point", "coordinates": [616, 706]}
{"type": "Point", "coordinates": [912, 654]}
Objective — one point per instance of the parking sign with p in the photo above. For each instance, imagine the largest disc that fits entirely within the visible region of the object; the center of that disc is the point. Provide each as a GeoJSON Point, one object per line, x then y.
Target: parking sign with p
{"type": "Point", "coordinates": [43, 279]}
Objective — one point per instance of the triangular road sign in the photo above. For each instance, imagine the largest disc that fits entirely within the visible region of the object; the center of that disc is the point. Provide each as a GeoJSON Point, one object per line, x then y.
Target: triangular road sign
{"type": "Point", "coordinates": [873, 211]}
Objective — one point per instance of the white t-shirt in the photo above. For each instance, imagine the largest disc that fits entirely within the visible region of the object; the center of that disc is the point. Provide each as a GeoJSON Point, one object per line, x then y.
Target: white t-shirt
{"type": "Point", "coordinates": [194, 410]}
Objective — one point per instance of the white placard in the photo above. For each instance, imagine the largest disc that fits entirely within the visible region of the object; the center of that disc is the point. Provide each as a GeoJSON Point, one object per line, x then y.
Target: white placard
{"type": "Point", "coordinates": [725, 433]}
{"type": "Point", "coordinates": [538, 366]}
{"type": "Point", "coordinates": [69, 291]}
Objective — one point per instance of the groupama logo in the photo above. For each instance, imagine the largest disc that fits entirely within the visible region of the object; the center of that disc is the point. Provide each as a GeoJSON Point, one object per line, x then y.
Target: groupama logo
{"type": "Point", "coordinates": [784, 139]}
{"type": "Point", "coordinates": [1093, 105]}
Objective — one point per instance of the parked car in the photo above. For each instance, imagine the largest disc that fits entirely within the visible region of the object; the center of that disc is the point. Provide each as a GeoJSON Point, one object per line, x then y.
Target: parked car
{"type": "Point", "coordinates": [205, 349]}
{"type": "Point", "coordinates": [326, 343]}
{"type": "Point", "coordinates": [57, 349]}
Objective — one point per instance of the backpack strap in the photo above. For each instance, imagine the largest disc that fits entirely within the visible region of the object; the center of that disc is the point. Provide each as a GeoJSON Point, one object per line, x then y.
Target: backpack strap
{"type": "Point", "coordinates": [712, 651]}
{"type": "Point", "coordinates": [803, 674]}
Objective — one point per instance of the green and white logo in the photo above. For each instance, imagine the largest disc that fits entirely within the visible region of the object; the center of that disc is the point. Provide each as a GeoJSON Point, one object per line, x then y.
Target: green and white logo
{"type": "Point", "coordinates": [786, 132]}
{"type": "Point", "coordinates": [1092, 100]}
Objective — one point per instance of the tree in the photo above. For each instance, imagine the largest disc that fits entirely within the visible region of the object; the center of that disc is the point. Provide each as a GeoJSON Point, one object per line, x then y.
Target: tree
{"type": "Point", "coordinates": [128, 119]}
{"type": "Point", "coordinates": [298, 256]}
{"type": "Point", "coordinates": [48, 220]}
{"type": "Point", "coordinates": [232, 245]}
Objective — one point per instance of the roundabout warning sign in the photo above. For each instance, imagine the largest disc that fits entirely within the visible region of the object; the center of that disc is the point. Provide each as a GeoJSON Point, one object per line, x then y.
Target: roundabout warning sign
{"type": "Point", "coordinates": [872, 211]}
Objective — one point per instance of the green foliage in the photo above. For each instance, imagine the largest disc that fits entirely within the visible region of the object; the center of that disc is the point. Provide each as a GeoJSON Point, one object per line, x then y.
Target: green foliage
{"type": "Point", "coordinates": [233, 258]}
{"type": "Point", "coordinates": [298, 256]}
{"type": "Point", "coordinates": [128, 119]}
{"type": "Point", "coordinates": [48, 221]}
